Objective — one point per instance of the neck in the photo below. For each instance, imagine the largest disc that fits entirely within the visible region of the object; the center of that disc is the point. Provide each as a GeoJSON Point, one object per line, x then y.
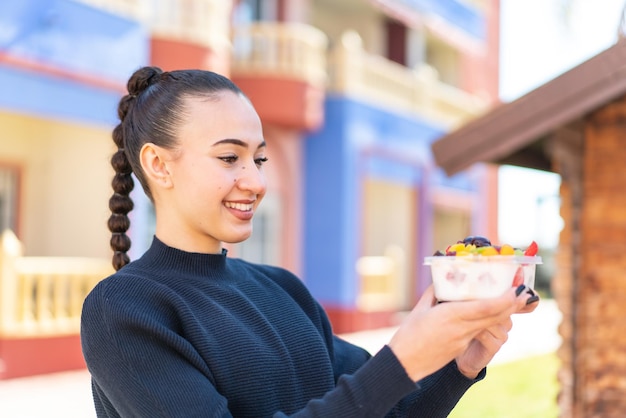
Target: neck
{"type": "Point", "coordinates": [189, 242]}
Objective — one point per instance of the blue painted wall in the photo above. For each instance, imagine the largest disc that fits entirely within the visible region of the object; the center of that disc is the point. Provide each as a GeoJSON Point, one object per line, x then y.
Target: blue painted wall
{"type": "Point", "coordinates": [74, 38]}
{"type": "Point", "coordinates": [327, 198]}
{"type": "Point", "coordinates": [48, 97]}
{"type": "Point", "coordinates": [356, 141]}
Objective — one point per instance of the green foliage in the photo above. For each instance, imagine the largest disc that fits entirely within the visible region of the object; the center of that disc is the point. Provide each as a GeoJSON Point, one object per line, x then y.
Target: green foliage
{"type": "Point", "coordinates": [522, 389]}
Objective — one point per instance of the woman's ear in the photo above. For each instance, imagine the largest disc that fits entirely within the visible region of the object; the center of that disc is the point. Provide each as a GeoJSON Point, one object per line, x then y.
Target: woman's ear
{"type": "Point", "coordinates": [153, 161]}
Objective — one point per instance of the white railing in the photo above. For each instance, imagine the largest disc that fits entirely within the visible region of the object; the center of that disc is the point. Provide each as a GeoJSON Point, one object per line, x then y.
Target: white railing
{"type": "Point", "coordinates": [379, 80]}
{"type": "Point", "coordinates": [43, 296]}
{"type": "Point", "coordinates": [204, 22]}
{"type": "Point", "coordinates": [286, 50]}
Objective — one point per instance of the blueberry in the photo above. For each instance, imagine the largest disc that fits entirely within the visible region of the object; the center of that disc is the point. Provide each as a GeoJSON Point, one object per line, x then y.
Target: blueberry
{"type": "Point", "coordinates": [477, 240]}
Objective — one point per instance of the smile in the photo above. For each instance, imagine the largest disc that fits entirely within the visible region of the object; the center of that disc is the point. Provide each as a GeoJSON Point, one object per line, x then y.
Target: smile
{"type": "Point", "coordinates": [244, 207]}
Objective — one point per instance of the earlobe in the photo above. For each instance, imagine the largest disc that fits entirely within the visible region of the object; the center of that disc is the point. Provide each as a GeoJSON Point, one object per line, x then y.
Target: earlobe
{"type": "Point", "coordinates": [154, 165]}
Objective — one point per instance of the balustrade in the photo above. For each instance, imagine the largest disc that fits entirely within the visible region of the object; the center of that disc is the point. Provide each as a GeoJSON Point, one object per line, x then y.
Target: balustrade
{"type": "Point", "coordinates": [204, 22]}
{"type": "Point", "coordinates": [43, 296]}
{"type": "Point", "coordinates": [378, 80]}
{"type": "Point", "coordinates": [291, 50]}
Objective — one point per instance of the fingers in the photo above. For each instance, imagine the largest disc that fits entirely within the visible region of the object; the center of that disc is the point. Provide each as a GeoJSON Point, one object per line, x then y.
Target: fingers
{"type": "Point", "coordinates": [495, 336]}
{"type": "Point", "coordinates": [427, 300]}
{"type": "Point", "coordinates": [525, 299]}
{"type": "Point", "coordinates": [531, 303]}
{"type": "Point", "coordinates": [499, 307]}
{"type": "Point", "coordinates": [491, 342]}
{"type": "Point", "coordinates": [478, 315]}
{"type": "Point", "coordinates": [484, 347]}
{"type": "Point", "coordinates": [499, 331]}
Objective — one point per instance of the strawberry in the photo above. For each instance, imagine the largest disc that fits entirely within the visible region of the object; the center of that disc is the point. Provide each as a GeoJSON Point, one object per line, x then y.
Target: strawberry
{"type": "Point", "coordinates": [532, 249]}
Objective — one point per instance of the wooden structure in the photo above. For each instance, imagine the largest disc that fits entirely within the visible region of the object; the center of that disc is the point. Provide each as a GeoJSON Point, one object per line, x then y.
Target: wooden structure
{"type": "Point", "coordinates": [574, 125]}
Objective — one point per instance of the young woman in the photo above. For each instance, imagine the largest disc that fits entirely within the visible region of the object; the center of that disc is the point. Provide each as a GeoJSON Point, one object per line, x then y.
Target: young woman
{"type": "Point", "coordinates": [185, 331]}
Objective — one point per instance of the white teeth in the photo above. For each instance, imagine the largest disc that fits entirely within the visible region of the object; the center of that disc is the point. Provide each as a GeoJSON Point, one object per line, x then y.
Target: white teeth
{"type": "Point", "coordinates": [244, 207]}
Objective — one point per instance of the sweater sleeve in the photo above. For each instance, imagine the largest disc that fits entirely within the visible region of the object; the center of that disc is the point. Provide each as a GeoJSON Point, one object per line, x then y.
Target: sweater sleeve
{"type": "Point", "coordinates": [373, 390]}
{"type": "Point", "coordinates": [434, 396]}
{"type": "Point", "coordinates": [368, 393]}
{"type": "Point", "coordinates": [438, 394]}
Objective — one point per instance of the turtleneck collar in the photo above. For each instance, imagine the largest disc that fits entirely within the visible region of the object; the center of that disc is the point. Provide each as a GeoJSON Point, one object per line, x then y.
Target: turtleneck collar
{"type": "Point", "coordinates": [163, 257]}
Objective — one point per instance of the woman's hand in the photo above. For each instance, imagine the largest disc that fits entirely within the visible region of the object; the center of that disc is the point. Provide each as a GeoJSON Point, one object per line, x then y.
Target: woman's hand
{"type": "Point", "coordinates": [483, 348]}
{"type": "Point", "coordinates": [487, 343]}
{"type": "Point", "coordinates": [472, 332]}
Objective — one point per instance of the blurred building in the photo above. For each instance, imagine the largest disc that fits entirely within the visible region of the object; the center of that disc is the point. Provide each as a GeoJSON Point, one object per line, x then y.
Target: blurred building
{"type": "Point", "coordinates": [351, 93]}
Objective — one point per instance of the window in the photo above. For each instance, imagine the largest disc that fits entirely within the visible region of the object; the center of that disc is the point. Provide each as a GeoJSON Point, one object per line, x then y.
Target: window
{"type": "Point", "coordinates": [396, 41]}
{"type": "Point", "coordinates": [445, 59]}
{"type": "Point", "coordinates": [450, 226]}
{"type": "Point", "coordinates": [256, 10]}
{"type": "Point", "coordinates": [394, 238]}
{"type": "Point", "coordinates": [9, 183]}
{"type": "Point", "coordinates": [263, 246]}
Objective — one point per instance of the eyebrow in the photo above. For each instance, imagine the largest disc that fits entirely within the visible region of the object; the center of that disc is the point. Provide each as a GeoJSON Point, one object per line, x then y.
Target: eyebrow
{"type": "Point", "coordinates": [237, 142]}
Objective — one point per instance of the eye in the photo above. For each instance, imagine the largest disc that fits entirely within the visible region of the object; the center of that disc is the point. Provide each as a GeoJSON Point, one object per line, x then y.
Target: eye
{"type": "Point", "coordinates": [230, 159]}
{"type": "Point", "coordinates": [260, 161]}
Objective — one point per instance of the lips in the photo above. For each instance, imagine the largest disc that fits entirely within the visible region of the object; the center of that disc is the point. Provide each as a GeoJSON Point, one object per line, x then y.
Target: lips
{"type": "Point", "coordinates": [241, 210]}
{"type": "Point", "coordinates": [244, 207]}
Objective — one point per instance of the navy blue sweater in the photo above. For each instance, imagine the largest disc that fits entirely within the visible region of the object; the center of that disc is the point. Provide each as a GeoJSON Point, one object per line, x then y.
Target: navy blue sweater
{"type": "Point", "coordinates": [177, 334]}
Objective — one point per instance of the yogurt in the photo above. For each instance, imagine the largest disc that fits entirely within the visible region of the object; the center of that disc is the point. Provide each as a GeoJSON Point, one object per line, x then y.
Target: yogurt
{"type": "Point", "coordinates": [479, 277]}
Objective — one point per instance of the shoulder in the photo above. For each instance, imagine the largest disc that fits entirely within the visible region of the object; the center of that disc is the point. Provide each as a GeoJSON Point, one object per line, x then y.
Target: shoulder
{"type": "Point", "coordinates": [124, 292]}
{"type": "Point", "coordinates": [290, 284]}
{"type": "Point", "coordinates": [127, 280]}
{"type": "Point", "coordinates": [284, 278]}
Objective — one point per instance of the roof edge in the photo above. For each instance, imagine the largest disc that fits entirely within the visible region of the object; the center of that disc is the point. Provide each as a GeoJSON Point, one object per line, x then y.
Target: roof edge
{"type": "Point", "coordinates": [512, 126]}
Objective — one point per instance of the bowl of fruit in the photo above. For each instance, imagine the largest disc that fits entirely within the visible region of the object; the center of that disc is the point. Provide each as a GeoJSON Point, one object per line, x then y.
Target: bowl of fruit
{"type": "Point", "coordinates": [474, 268]}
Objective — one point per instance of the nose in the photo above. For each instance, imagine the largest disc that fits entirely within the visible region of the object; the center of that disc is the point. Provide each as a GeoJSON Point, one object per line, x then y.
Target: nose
{"type": "Point", "coordinates": [252, 179]}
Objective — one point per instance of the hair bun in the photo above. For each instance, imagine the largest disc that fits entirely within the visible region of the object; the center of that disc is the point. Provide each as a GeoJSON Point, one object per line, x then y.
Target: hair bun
{"type": "Point", "coordinates": [142, 79]}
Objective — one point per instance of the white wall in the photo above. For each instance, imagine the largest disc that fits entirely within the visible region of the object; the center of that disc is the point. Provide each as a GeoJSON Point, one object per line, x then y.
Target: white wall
{"type": "Point", "coordinates": [65, 186]}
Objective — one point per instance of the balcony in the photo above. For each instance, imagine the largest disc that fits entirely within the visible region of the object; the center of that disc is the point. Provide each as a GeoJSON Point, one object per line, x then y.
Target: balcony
{"type": "Point", "coordinates": [377, 80]}
{"type": "Point", "coordinates": [41, 299]}
{"type": "Point", "coordinates": [282, 68]}
{"type": "Point", "coordinates": [184, 33]}
{"type": "Point", "coordinates": [285, 50]}
{"type": "Point", "coordinates": [292, 61]}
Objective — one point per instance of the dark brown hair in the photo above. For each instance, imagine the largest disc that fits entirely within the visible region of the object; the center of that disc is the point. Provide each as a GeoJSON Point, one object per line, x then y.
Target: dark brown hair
{"type": "Point", "coordinates": [152, 111]}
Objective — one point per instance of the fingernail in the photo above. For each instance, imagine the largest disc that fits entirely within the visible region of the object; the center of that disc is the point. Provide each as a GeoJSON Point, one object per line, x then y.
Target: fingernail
{"type": "Point", "coordinates": [532, 299]}
{"type": "Point", "coordinates": [519, 289]}
{"type": "Point", "coordinates": [531, 292]}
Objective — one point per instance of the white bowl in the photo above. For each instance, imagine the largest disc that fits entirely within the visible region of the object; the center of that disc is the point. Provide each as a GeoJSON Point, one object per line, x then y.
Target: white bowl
{"type": "Point", "coordinates": [478, 276]}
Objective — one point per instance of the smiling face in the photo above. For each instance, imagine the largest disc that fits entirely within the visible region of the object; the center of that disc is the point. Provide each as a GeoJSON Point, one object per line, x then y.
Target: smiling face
{"type": "Point", "coordinates": [207, 189]}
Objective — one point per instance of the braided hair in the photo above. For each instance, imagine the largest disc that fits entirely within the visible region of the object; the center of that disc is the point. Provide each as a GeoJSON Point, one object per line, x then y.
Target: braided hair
{"type": "Point", "coordinates": [152, 111]}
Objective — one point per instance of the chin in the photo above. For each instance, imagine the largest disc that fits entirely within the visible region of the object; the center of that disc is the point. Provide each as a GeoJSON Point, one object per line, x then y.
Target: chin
{"type": "Point", "coordinates": [237, 239]}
